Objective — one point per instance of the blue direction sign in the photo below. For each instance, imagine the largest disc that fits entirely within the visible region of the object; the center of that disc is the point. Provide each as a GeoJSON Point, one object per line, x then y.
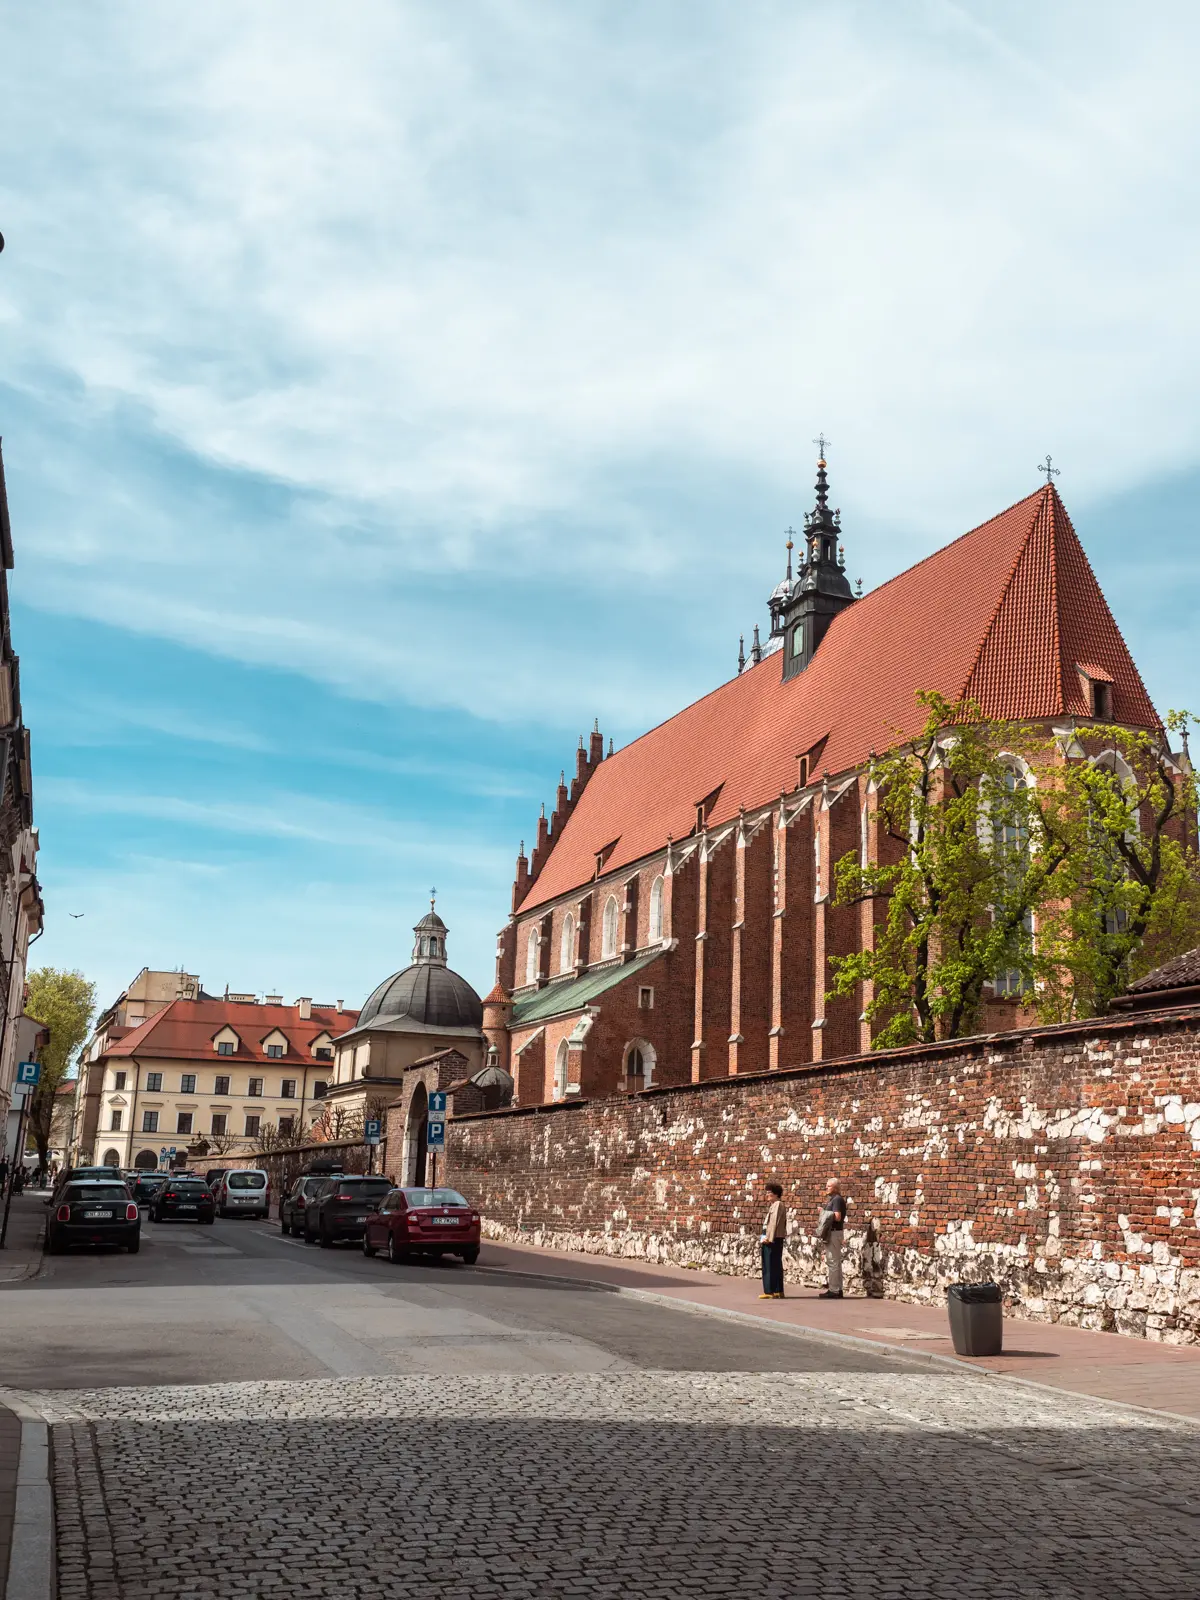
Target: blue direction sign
{"type": "Point", "coordinates": [437, 1103]}
{"type": "Point", "coordinates": [29, 1072]}
{"type": "Point", "coordinates": [371, 1130]}
{"type": "Point", "coordinates": [435, 1133]}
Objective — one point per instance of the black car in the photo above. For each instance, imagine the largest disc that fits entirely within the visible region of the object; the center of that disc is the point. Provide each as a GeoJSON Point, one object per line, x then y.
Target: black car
{"type": "Point", "coordinates": [146, 1185]}
{"type": "Point", "coordinates": [295, 1203]}
{"type": "Point", "coordinates": [188, 1199]}
{"type": "Point", "coordinates": [341, 1206]}
{"type": "Point", "coordinates": [82, 1174]}
{"type": "Point", "coordinates": [94, 1211]}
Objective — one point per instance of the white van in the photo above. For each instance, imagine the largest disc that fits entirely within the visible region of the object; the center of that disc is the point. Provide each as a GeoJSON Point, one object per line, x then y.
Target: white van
{"type": "Point", "coordinates": [242, 1193]}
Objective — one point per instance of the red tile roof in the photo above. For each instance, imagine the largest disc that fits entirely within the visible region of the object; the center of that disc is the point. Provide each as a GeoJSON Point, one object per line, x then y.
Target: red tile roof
{"type": "Point", "coordinates": [1003, 615]}
{"type": "Point", "coordinates": [184, 1030]}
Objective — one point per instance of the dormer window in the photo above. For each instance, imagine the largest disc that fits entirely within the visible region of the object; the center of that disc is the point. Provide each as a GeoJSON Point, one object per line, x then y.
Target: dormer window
{"type": "Point", "coordinates": [275, 1050]}
{"type": "Point", "coordinates": [225, 1047]}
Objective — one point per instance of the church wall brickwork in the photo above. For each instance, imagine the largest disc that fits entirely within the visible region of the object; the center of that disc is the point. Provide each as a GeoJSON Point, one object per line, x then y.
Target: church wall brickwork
{"type": "Point", "coordinates": [1063, 1162]}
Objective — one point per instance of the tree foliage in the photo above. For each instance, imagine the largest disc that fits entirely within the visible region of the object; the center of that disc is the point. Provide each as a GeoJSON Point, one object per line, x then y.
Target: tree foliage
{"type": "Point", "coordinates": [1053, 866]}
{"type": "Point", "coordinates": [64, 1002]}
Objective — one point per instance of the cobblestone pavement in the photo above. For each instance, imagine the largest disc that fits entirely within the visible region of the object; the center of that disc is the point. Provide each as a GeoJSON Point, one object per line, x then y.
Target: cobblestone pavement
{"type": "Point", "coordinates": [585, 1486]}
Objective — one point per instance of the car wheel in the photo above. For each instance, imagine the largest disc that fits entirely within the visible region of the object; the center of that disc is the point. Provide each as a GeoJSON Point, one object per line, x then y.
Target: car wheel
{"type": "Point", "coordinates": [326, 1238]}
{"type": "Point", "coordinates": [368, 1249]}
{"type": "Point", "coordinates": [471, 1254]}
{"type": "Point", "coordinates": [397, 1253]}
{"type": "Point", "coordinates": [207, 1220]}
{"type": "Point", "coordinates": [53, 1247]}
{"type": "Point", "coordinates": [285, 1226]}
{"type": "Point", "coordinates": [154, 1217]}
{"type": "Point", "coordinates": [134, 1247]}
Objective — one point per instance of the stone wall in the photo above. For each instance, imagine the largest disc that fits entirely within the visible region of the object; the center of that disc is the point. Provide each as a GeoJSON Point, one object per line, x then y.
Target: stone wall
{"type": "Point", "coordinates": [1064, 1163]}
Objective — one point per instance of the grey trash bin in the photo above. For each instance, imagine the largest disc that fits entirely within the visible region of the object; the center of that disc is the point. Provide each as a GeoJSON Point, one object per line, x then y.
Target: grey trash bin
{"type": "Point", "coordinates": [976, 1318]}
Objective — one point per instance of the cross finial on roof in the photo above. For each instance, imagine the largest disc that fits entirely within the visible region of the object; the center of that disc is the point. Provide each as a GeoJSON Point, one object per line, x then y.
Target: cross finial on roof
{"type": "Point", "coordinates": [432, 898]}
{"type": "Point", "coordinates": [822, 444]}
{"type": "Point", "coordinates": [1049, 469]}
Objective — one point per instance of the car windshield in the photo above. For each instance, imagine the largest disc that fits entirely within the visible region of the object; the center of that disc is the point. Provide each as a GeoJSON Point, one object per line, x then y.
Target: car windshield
{"type": "Point", "coordinates": [434, 1197]}
{"type": "Point", "coordinates": [96, 1191]}
{"type": "Point", "coordinates": [246, 1180]}
{"type": "Point", "coordinates": [364, 1186]}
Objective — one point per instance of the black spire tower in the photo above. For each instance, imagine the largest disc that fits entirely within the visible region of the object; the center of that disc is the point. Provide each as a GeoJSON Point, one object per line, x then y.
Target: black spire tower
{"type": "Point", "coordinates": [821, 588]}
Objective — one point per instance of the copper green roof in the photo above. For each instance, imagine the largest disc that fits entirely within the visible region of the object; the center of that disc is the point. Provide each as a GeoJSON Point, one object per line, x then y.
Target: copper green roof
{"type": "Point", "coordinates": [560, 998]}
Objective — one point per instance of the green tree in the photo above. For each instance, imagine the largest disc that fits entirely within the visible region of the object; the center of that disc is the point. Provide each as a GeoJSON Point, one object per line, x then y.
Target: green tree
{"type": "Point", "coordinates": [64, 1002]}
{"type": "Point", "coordinates": [1054, 868]}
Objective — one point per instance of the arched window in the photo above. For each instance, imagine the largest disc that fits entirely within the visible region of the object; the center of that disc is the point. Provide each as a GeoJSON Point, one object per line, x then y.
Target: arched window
{"type": "Point", "coordinates": [816, 860]}
{"type": "Point", "coordinates": [798, 640]}
{"type": "Point", "coordinates": [531, 957]}
{"type": "Point", "coordinates": [566, 948]}
{"type": "Point", "coordinates": [657, 890]}
{"type": "Point", "coordinates": [640, 1061]}
{"type": "Point", "coordinates": [1010, 833]}
{"type": "Point", "coordinates": [562, 1059]}
{"type": "Point", "coordinates": [112, 1158]}
{"type": "Point", "coordinates": [608, 946]}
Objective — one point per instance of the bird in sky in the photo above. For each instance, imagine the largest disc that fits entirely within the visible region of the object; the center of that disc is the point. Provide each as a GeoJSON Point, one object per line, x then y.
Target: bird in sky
{"type": "Point", "coordinates": [77, 914]}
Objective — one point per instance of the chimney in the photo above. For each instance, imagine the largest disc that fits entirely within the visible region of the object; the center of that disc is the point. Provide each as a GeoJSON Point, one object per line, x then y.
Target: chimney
{"type": "Point", "coordinates": [339, 1005]}
{"type": "Point", "coordinates": [272, 999]}
{"type": "Point", "coordinates": [304, 1008]}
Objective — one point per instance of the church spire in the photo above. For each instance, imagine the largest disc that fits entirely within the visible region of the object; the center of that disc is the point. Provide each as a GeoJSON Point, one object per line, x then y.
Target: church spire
{"type": "Point", "coordinates": [821, 588]}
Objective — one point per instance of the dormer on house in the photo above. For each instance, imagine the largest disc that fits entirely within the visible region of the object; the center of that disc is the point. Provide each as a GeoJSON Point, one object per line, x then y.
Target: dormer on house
{"type": "Point", "coordinates": [226, 1042]}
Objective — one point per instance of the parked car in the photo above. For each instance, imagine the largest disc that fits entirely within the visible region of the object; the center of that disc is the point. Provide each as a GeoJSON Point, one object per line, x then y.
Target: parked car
{"type": "Point", "coordinates": [188, 1199]}
{"type": "Point", "coordinates": [80, 1175]}
{"type": "Point", "coordinates": [423, 1222]}
{"type": "Point", "coordinates": [145, 1186]}
{"type": "Point", "coordinates": [340, 1207]}
{"type": "Point", "coordinates": [94, 1211]}
{"type": "Point", "coordinates": [296, 1201]}
{"type": "Point", "coordinates": [243, 1193]}
{"type": "Point", "coordinates": [213, 1176]}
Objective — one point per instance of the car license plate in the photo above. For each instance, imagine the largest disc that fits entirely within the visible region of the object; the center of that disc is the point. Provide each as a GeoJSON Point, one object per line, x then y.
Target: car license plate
{"type": "Point", "coordinates": [97, 1216]}
{"type": "Point", "coordinates": [187, 1208]}
{"type": "Point", "coordinates": [445, 1222]}
{"type": "Point", "coordinates": [356, 1219]}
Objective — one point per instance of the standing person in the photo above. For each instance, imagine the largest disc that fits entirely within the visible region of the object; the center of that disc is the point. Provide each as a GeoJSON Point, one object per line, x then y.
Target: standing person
{"type": "Point", "coordinates": [831, 1230]}
{"type": "Point", "coordinates": [3, 1173]}
{"type": "Point", "coordinates": [773, 1235]}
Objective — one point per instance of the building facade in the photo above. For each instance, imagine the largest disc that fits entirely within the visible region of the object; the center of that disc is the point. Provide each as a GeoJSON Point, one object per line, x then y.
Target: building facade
{"type": "Point", "coordinates": [208, 1075]}
{"type": "Point", "coordinates": [675, 920]}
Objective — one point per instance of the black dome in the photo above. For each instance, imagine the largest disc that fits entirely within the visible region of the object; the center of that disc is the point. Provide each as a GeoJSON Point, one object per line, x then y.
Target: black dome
{"type": "Point", "coordinates": [426, 993]}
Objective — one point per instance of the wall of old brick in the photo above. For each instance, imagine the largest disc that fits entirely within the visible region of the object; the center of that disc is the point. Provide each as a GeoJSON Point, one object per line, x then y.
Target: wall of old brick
{"type": "Point", "coordinates": [1064, 1163]}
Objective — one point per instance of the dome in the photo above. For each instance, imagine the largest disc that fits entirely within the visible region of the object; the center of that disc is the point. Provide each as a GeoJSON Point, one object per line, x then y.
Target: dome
{"type": "Point", "coordinates": [426, 993]}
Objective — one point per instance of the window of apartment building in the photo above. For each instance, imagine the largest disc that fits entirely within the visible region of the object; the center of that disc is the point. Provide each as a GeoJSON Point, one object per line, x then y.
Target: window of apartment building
{"type": "Point", "coordinates": [149, 1121]}
{"type": "Point", "coordinates": [218, 1122]}
{"type": "Point", "coordinates": [288, 1089]}
{"type": "Point", "coordinates": [224, 1047]}
{"type": "Point", "coordinates": [153, 1082]}
{"type": "Point", "coordinates": [255, 1089]}
{"type": "Point", "coordinates": [183, 1122]}
{"type": "Point", "coordinates": [287, 1124]}
{"type": "Point", "coordinates": [324, 1052]}
{"type": "Point", "coordinates": [118, 1080]}
{"type": "Point", "coordinates": [275, 1050]}
{"type": "Point", "coordinates": [115, 1124]}
{"type": "Point", "coordinates": [320, 1089]}
{"type": "Point", "coordinates": [187, 1083]}
{"type": "Point", "coordinates": [221, 1086]}
{"type": "Point", "coordinates": [252, 1124]}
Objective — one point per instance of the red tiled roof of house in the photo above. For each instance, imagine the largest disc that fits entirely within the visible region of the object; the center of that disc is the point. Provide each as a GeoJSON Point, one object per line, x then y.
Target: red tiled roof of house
{"type": "Point", "coordinates": [1003, 615]}
{"type": "Point", "coordinates": [185, 1030]}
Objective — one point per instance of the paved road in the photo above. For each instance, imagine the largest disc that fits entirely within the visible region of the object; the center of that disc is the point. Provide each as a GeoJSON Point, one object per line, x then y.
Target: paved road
{"type": "Point", "coordinates": [447, 1433]}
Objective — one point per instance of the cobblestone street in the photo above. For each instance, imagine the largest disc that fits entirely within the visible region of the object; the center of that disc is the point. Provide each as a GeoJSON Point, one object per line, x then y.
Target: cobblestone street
{"type": "Point", "coordinates": [656, 1484]}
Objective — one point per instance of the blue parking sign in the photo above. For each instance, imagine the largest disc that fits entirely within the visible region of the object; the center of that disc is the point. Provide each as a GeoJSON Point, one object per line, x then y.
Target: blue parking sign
{"type": "Point", "coordinates": [371, 1130]}
{"type": "Point", "coordinates": [29, 1072]}
{"type": "Point", "coordinates": [435, 1134]}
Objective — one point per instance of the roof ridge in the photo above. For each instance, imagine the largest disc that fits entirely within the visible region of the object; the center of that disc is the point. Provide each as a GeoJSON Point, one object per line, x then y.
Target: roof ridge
{"type": "Point", "coordinates": [1006, 587]}
{"type": "Point", "coordinates": [1054, 504]}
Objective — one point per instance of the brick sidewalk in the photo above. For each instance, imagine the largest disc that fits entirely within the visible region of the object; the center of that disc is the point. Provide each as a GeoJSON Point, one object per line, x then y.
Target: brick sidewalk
{"type": "Point", "coordinates": [22, 1253]}
{"type": "Point", "coordinates": [1106, 1365]}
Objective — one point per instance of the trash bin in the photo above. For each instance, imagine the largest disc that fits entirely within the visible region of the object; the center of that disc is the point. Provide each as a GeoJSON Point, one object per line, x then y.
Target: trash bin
{"type": "Point", "coordinates": [976, 1318]}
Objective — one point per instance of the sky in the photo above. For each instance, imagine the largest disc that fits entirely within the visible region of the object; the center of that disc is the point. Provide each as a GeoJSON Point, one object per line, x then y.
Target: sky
{"type": "Point", "coordinates": [387, 391]}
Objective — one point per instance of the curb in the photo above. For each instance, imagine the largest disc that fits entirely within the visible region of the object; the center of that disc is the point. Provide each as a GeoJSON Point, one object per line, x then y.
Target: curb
{"type": "Point", "coordinates": [31, 1555]}
{"type": "Point", "coordinates": [842, 1340]}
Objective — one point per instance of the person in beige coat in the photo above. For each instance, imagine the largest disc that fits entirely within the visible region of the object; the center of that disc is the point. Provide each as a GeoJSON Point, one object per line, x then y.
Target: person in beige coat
{"type": "Point", "coordinates": [773, 1235]}
{"type": "Point", "coordinates": [831, 1230]}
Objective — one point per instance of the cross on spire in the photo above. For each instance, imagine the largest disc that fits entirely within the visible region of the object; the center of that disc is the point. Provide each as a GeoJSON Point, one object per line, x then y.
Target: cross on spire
{"type": "Point", "coordinates": [822, 444]}
{"type": "Point", "coordinates": [432, 899]}
{"type": "Point", "coordinates": [1050, 470]}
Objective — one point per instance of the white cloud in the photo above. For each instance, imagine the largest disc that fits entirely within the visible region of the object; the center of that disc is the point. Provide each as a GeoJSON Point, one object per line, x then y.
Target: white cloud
{"type": "Point", "coordinates": [473, 286]}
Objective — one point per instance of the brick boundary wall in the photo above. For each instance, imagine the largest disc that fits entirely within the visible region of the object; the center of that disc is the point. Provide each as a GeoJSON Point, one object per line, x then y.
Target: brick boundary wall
{"type": "Point", "coordinates": [1062, 1162]}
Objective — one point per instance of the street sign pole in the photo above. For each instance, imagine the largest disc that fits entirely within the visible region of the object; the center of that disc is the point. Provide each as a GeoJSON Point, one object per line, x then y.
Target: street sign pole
{"type": "Point", "coordinates": [18, 1154]}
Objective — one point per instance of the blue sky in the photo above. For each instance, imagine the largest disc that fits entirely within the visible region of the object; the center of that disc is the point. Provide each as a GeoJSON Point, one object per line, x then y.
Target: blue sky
{"type": "Point", "coordinates": [389, 390]}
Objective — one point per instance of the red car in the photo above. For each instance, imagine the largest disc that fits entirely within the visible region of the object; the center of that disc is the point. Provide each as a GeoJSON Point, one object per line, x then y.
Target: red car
{"type": "Point", "coordinates": [423, 1222]}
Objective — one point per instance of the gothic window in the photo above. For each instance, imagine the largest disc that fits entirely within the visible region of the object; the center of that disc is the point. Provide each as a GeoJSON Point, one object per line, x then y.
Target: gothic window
{"type": "Point", "coordinates": [1011, 836]}
{"type": "Point", "coordinates": [816, 860]}
{"type": "Point", "coordinates": [608, 945]}
{"type": "Point", "coordinates": [562, 1060]}
{"type": "Point", "coordinates": [657, 890]}
{"type": "Point", "coordinates": [566, 952]}
{"type": "Point", "coordinates": [531, 957]}
{"type": "Point", "coordinates": [640, 1061]}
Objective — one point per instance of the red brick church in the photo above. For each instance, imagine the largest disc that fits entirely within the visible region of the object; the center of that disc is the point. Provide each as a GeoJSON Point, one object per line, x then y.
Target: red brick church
{"type": "Point", "coordinates": [674, 920]}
